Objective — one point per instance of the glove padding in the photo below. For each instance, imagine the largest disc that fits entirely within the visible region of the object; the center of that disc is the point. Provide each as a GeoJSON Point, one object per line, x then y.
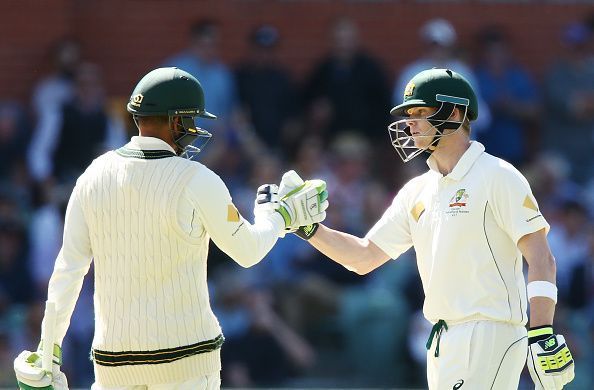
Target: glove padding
{"type": "Point", "coordinates": [267, 201]}
{"type": "Point", "coordinates": [549, 360]}
{"type": "Point", "coordinates": [290, 181]}
{"type": "Point", "coordinates": [30, 375]}
{"type": "Point", "coordinates": [304, 205]}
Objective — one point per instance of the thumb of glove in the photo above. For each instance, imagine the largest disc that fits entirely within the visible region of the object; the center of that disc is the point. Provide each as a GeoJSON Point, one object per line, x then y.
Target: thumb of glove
{"type": "Point", "coordinates": [289, 182]}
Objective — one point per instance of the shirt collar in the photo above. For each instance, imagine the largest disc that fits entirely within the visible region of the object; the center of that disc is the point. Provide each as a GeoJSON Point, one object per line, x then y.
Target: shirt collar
{"type": "Point", "coordinates": [466, 161]}
{"type": "Point", "coordinates": [148, 143]}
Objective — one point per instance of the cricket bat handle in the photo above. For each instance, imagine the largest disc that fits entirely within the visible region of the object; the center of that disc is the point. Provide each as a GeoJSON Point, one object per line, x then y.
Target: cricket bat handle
{"type": "Point", "coordinates": [48, 335]}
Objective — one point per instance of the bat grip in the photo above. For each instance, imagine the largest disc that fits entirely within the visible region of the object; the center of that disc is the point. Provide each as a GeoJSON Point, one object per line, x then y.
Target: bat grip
{"type": "Point", "coordinates": [48, 335]}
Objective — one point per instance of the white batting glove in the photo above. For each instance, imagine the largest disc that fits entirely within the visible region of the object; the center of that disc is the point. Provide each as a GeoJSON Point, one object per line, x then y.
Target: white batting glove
{"type": "Point", "coordinates": [291, 181]}
{"type": "Point", "coordinates": [549, 360]}
{"type": "Point", "coordinates": [305, 205]}
{"type": "Point", "coordinates": [267, 201]}
{"type": "Point", "coordinates": [30, 375]}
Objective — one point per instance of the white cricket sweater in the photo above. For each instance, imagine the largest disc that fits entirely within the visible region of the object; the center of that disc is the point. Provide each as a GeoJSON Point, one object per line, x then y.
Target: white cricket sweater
{"type": "Point", "coordinates": [146, 216]}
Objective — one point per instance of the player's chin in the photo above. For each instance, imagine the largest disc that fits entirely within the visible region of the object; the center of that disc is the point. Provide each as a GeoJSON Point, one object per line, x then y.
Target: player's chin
{"type": "Point", "coordinates": [421, 142]}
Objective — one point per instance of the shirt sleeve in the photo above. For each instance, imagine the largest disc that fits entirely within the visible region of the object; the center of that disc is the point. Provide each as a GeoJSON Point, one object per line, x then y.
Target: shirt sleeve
{"type": "Point", "coordinates": [72, 264]}
{"type": "Point", "coordinates": [514, 207]}
{"type": "Point", "coordinates": [244, 242]}
{"type": "Point", "coordinates": [392, 232]}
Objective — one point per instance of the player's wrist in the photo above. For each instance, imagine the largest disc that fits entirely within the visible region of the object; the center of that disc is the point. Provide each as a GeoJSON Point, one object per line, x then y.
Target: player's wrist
{"type": "Point", "coordinates": [278, 221]}
{"type": "Point", "coordinates": [537, 333]}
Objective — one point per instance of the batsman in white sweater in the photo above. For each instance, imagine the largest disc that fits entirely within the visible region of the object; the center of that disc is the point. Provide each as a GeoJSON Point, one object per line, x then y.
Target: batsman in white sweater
{"type": "Point", "coordinates": [145, 216]}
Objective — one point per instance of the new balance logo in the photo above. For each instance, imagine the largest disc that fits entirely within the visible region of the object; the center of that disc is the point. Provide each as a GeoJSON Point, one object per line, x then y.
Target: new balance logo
{"type": "Point", "coordinates": [550, 343]}
{"type": "Point", "coordinates": [458, 384]}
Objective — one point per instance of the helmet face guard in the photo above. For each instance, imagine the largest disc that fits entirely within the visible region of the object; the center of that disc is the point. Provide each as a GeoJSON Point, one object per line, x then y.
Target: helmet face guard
{"type": "Point", "coordinates": [403, 140]}
{"type": "Point", "coordinates": [189, 137]}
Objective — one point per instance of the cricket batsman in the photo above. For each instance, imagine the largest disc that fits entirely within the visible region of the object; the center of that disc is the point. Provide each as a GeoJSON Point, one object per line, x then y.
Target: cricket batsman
{"type": "Point", "coordinates": [144, 215]}
{"type": "Point", "coordinates": [470, 217]}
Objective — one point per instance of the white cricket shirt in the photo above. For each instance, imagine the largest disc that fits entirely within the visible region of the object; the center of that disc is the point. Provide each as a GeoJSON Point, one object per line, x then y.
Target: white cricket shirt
{"type": "Point", "coordinates": [145, 217]}
{"type": "Point", "coordinates": [465, 227]}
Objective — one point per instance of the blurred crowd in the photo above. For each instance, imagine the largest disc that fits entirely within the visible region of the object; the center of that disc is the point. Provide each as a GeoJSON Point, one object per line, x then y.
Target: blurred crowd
{"type": "Point", "coordinates": [298, 319]}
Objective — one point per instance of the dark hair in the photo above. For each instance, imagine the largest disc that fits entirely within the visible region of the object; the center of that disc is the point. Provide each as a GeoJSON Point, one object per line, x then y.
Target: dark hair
{"type": "Point", "coordinates": [264, 36]}
{"type": "Point", "coordinates": [203, 28]}
{"type": "Point", "coordinates": [157, 120]}
{"type": "Point", "coordinates": [492, 34]}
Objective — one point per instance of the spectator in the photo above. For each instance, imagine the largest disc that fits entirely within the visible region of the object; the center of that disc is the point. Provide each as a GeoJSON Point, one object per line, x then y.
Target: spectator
{"type": "Point", "coordinates": [261, 349]}
{"type": "Point", "coordinates": [510, 93]}
{"type": "Point", "coordinates": [266, 91]}
{"type": "Point", "coordinates": [569, 93]}
{"type": "Point", "coordinates": [65, 143]}
{"type": "Point", "coordinates": [57, 88]}
{"type": "Point", "coordinates": [15, 271]}
{"type": "Point", "coordinates": [439, 39]}
{"type": "Point", "coordinates": [201, 60]}
{"type": "Point", "coordinates": [14, 135]}
{"type": "Point", "coordinates": [580, 294]}
{"type": "Point", "coordinates": [351, 84]}
{"type": "Point", "coordinates": [569, 241]}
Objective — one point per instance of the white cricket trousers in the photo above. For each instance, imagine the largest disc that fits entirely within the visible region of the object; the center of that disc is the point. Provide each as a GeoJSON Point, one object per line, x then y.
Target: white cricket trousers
{"type": "Point", "coordinates": [478, 355]}
{"type": "Point", "coordinates": [206, 382]}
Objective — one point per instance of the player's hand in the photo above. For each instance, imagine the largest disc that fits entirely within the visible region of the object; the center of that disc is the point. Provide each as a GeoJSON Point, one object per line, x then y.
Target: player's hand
{"type": "Point", "coordinates": [30, 375]}
{"type": "Point", "coordinates": [290, 181]}
{"type": "Point", "coordinates": [549, 360]}
{"type": "Point", "coordinates": [304, 205]}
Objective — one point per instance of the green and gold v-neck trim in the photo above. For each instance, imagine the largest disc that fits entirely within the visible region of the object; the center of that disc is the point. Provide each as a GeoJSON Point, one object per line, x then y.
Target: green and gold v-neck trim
{"type": "Point", "coordinates": [144, 154]}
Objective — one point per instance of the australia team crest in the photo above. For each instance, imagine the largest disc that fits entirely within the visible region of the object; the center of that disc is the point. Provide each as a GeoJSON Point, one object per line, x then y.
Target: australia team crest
{"type": "Point", "coordinates": [458, 202]}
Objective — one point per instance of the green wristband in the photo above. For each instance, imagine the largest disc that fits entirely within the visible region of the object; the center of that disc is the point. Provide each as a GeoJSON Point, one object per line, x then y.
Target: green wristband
{"type": "Point", "coordinates": [539, 333]}
{"type": "Point", "coordinates": [307, 232]}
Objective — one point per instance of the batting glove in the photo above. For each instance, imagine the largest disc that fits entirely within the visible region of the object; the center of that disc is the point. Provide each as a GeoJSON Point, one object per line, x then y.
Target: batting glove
{"type": "Point", "coordinates": [30, 375]}
{"type": "Point", "coordinates": [304, 204]}
{"type": "Point", "coordinates": [267, 201]}
{"type": "Point", "coordinates": [549, 360]}
{"type": "Point", "coordinates": [291, 181]}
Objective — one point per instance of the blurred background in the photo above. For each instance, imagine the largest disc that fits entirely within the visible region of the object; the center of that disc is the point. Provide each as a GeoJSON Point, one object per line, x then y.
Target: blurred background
{"type": "Point", "coordinates": [300, 84]}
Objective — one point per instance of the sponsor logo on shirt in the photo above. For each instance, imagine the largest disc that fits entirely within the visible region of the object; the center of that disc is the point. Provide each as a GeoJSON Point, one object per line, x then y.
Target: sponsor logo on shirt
{"type": "Point", "coordinates": [459, 199]}
{"type": "Point", "coordinates": [458, 384]}
{"type": "Point", "coordinates": [458, 203]}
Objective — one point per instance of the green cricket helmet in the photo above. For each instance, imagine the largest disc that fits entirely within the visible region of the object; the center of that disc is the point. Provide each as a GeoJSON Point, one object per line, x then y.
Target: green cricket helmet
{"type": "Point", "coordinates": [442, 89]}
{"type": "Point", "coordinates": [173, 92]}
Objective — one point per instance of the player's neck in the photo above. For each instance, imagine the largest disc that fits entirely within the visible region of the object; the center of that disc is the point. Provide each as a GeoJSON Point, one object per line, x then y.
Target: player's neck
{"type": "Point", "coordinates": [165, 135]}
{"type": "Point", "coordinates": [449, 152]}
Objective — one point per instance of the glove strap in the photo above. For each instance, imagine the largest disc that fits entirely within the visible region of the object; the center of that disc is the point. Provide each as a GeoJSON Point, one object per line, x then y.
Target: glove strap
{"type": "Point", "coordinates": [538, 333]}
{"type": "Point", "coordinates": [285, 214]}
{"type": "Point", "coordinates": [307, 232]}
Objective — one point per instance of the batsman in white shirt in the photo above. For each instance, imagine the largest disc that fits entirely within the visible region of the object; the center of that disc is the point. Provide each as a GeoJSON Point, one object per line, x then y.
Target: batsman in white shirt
{"type": "Point", "coordinates": [144, 215]}
{"type": "Point", "coordinates": [470, 218]}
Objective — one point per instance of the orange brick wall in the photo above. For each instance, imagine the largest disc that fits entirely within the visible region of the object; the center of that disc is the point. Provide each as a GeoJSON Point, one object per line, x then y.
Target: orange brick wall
{"type": "Point", "coordinates": [127, 37]}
